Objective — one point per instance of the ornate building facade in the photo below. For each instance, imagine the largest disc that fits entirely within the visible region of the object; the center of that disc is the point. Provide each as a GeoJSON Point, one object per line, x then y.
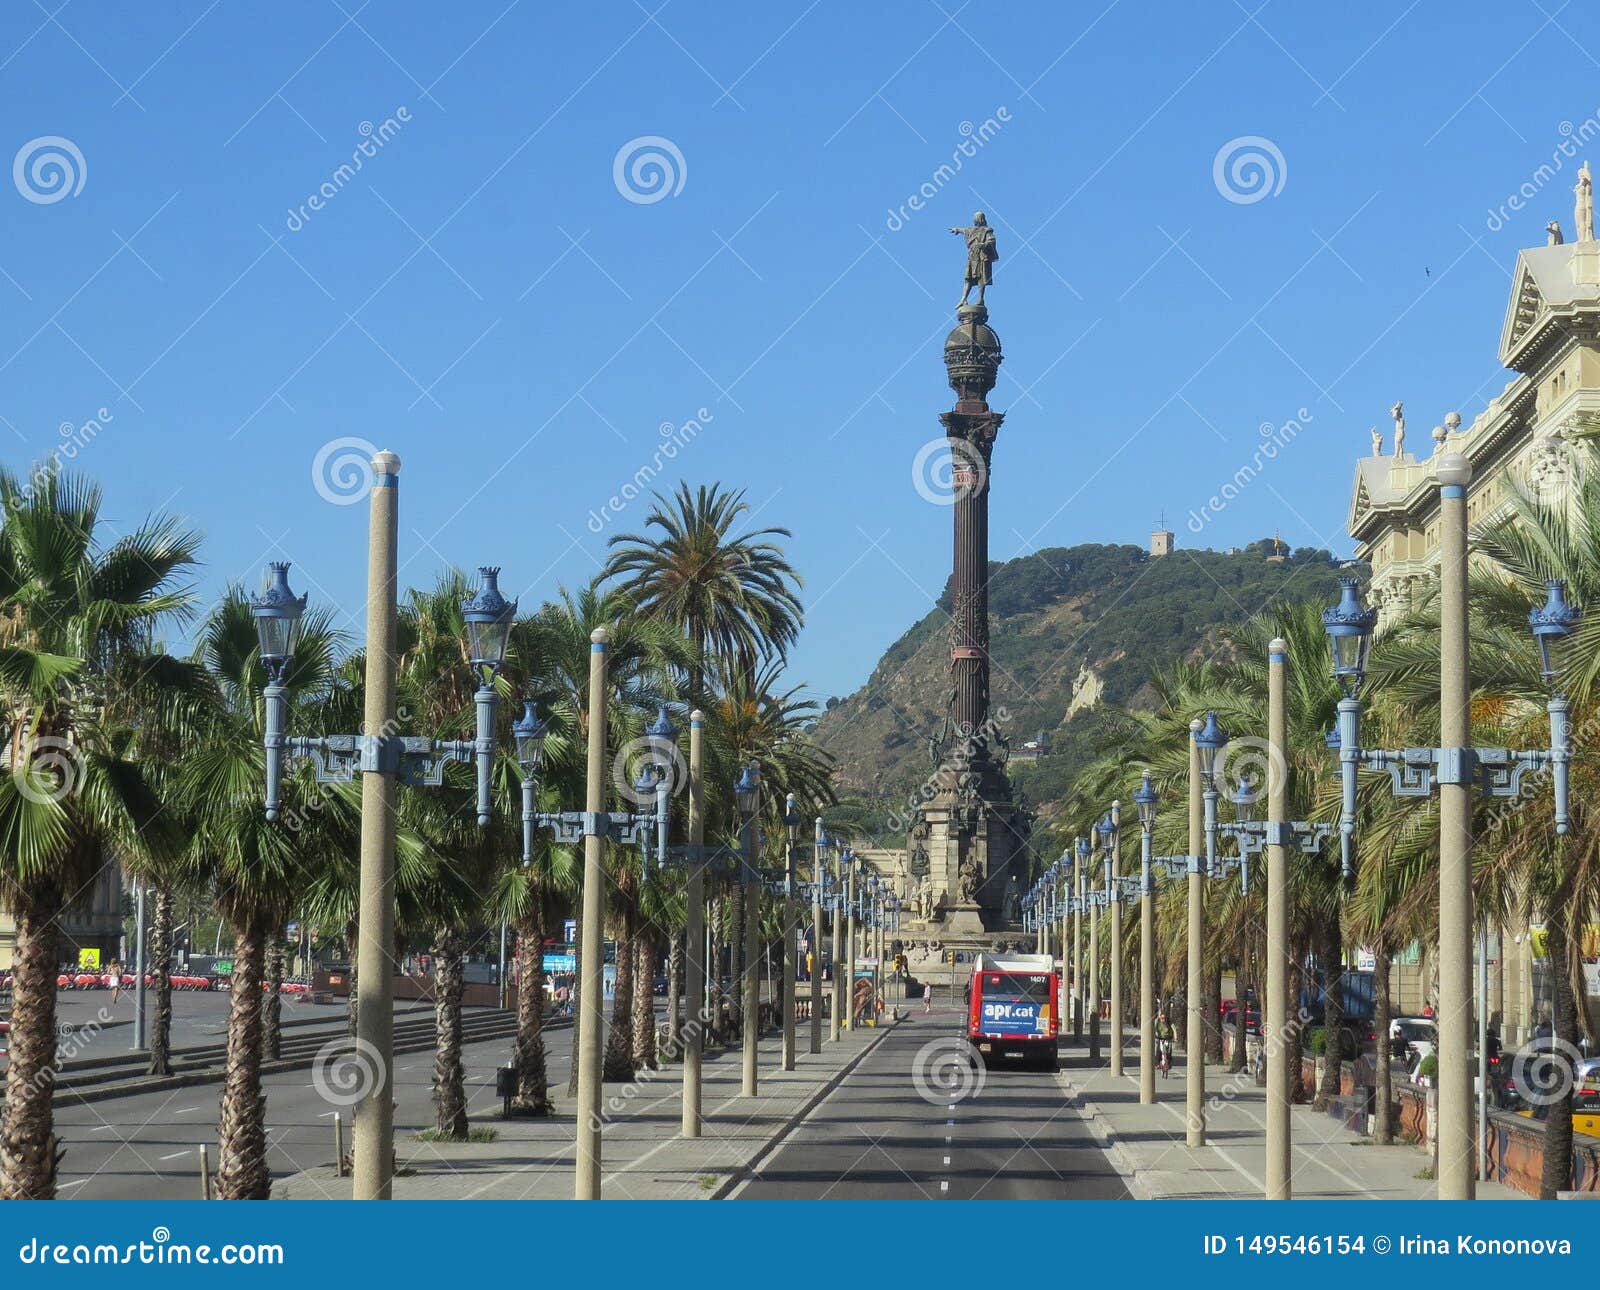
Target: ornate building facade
{"type": "Point", "coordinates": [1533, 436]}
{"type": "Point", "coordinates": [1531, 433]}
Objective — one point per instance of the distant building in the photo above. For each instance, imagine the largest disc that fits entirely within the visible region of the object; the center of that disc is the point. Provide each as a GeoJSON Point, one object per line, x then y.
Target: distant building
{"type": "Point", "coordinates": [94, 921]}
{"type": "Point", "coordinates": [1161, 542]}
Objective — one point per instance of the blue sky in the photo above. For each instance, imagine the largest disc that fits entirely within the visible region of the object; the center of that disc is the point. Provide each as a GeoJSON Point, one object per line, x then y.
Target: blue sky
{"type": "Point", "coordinates": [484, 297]}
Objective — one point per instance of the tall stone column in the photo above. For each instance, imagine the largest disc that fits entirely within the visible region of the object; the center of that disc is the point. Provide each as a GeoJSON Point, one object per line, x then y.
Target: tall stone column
{"type": "Point", "coordinates": [973, 827]}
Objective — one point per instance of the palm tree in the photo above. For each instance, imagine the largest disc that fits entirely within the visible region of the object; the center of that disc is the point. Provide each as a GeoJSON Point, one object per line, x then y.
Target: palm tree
{"type": "Point", "coordinates": [732, 596]}
{"type": "Point", "coordinates": [76, 620]}
{"type": "Point", "coordinates": [256, 869]}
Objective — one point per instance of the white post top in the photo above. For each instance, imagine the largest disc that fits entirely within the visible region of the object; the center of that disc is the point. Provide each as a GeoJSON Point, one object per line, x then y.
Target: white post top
{"type": "Point", "coordinates": [386, 462]}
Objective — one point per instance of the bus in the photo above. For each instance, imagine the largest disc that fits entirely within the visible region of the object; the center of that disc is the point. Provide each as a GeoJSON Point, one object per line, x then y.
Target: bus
{"type": "Point", "coordinates": [1011, 1014]}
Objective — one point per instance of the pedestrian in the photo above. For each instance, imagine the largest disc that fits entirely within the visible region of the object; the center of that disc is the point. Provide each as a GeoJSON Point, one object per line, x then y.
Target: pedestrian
{"type": "Point", "coordinates": [927, 997]}
{"type": "Point", "coordinates": [114, 979]}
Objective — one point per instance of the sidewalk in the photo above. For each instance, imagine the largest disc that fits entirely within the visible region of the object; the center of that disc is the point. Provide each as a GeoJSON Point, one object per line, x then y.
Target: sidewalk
{"type": "Point", "coordinates": [643, 1158]}
{"type": "Point", "coordinates": [1146, 1143]}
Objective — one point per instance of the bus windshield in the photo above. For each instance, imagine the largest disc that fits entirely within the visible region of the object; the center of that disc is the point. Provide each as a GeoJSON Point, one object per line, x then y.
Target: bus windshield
{"type": "Point", "coordinates": [1032, 986]}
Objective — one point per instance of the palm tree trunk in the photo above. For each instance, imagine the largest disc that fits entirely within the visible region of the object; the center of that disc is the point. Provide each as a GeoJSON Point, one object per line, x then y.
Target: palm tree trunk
{"type": "Point", "coordinates": [352, 1001]}
{"type": "Point", "coordinates": [1213, 1027]}
{"type": "Point", "coordinates": [644, 1002]}
{"type": "Point", "coordinates": [533, 1086]}
{"type": "Point", "coordinates": [1557, 1173]}
{"type": "Point", "coordinates": [449, 1077]}
{"type": "Point", "coordinates": [675, 1029]}
{"type": "Point", "coordinates": [1383, 1095]}
{"type": "Point", "coordinates": [272, 1002]}
{"type": "Point", "coordinates": [618, 1064]}
{"type": "Point", "coordinates": [714, 995]}
{"type": "Point", "coordinates": [161, 983]}
{"type": "Point", "coordinates": [242, 1133]}
{"type": "Point", "coordinates": [28, 1150]}
{"type": "Point", "coordinates": [1332, 956]}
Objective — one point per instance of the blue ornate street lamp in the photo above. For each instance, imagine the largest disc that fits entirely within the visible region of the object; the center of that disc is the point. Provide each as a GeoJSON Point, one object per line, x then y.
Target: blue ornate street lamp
{"type": "Point", "coordinates": [277, 612]}
{"type": "Point", "coordinates": [1413, 772]}
{"type": "Point", "coordinates": [569, 827]}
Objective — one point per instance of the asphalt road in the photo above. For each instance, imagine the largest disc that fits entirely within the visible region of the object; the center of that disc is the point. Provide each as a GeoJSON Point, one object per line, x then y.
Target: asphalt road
{"type": "Point", "coordinates": [145, 1147]}
{"type": "Point", "coordinates": [894, 1129]}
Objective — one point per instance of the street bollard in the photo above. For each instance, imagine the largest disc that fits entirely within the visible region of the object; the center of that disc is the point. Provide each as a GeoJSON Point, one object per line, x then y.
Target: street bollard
{"type": "Point", "coordinates": [205, 1174]}
{"type": "Point", "coordinates": [338, 1145]}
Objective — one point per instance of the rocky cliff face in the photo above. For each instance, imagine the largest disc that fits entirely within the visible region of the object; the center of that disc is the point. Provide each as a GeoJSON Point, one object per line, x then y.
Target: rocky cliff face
{"type": "Point", "coordinates": [1072, 628]}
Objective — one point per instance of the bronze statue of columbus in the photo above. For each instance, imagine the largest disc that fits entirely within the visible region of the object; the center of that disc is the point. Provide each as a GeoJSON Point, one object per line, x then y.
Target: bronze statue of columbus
{"type": "Point", "coordinates": [981, 255]}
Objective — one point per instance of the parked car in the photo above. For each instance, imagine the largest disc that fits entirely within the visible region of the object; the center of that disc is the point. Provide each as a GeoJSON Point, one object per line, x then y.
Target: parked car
{"type": "Point", "coordinates": [1252, 1017]}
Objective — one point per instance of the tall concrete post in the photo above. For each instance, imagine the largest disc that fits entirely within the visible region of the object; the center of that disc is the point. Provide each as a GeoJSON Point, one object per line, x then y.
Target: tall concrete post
{"type": "Point", "coordinates": [1280, 1038]}
{"type": "Point", "coordinates": [592, 934]}
{"type": "Point", "coordinates": [373, 1135]}
{"type": "Point", "coordinates": [789, 973]}
{"type": "Point", "coordinates": [1078, 995]}
{"type": "Point", "coordinates": [1456, 1145]}
{"type": "Point", "coordinates": [849, 888]}
{"type": "Point", "coordinates": [816, 941]}
{"type": "Point", "coordinates": [1094, 983]}
{"type": "Point", "coordinates": [1194, 1055]}
{"type": "Point", "coordinates": [837, 1012]}
{"type": "Point", "coordinates": [1116, 941]}
{"type": "Point", "coordinates": [751, 1036]}
{"type": "Point", "coordinates": [1147, 973]}
{"type": "Point", "coordinates": [695, 932]}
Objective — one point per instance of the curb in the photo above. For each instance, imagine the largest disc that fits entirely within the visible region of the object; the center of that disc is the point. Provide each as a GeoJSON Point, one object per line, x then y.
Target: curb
{"type": "Point", "coordinates": [1106, 1140]}
{"type": "Point", "coordinates": [749, 1167]}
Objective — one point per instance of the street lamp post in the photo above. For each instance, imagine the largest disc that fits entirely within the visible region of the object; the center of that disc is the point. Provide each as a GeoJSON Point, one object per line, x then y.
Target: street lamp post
{"type": "Point", "coordinates": [382, 758]}
{"type": "Point", "coordinates": [1151, 866]}
{"type": "Point", "coordinates": [836, 1012]}
{"type": "Point", "coordinates": [1278, 836]}
{"type": "Point", "coordinates": [1205, 738]}
{"type": "Point", "coordinates": [791, 835]}
{"type": "Point", "coordinates": [594, 826]}
{"type": "Point", "coordinates": [1076, 906]}
{"type": "Point", "coordinates": [817, 871]}
{"type": "Point", "coordinates": [1453, 767]}
{"type": "Point", "coordinates": [747, 796]}
{"type": "Point", "coordinates": [695, 935]}
{"type": "Point", "coordinates": [1113, 877]}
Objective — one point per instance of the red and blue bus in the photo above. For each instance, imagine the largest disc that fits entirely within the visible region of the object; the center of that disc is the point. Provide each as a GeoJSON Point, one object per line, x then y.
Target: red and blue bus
{"type": "Point", "coordinates": [1012, 1018]}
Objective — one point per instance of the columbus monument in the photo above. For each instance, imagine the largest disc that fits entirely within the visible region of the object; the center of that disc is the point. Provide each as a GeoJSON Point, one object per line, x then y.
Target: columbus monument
{"type": "Point", "coordinates": [971, 835]}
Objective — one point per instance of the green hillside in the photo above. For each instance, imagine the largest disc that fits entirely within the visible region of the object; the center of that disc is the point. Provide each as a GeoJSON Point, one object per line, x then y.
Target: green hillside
{"type": "Point", "coordinates": [1089, 624]}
